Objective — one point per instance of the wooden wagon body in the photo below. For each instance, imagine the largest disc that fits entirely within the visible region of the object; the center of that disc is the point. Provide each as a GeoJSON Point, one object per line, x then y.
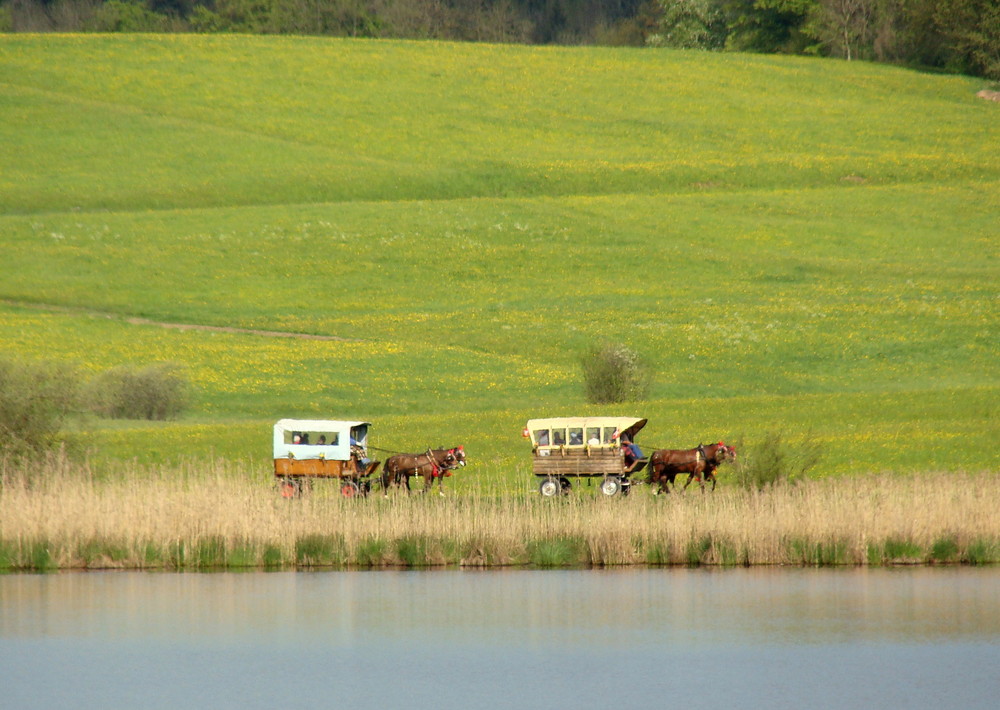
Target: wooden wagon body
{"type": "Point", "coordinates": [564, 448]}
{"type": "Point", "coordinates": [305, 449]}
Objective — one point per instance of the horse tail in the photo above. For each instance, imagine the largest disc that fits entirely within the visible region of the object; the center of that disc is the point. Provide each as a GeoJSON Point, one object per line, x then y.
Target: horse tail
{"type": "Point", "coordinates": [654, 462]}
{"type": "Point", "coordinates": [384, 478]}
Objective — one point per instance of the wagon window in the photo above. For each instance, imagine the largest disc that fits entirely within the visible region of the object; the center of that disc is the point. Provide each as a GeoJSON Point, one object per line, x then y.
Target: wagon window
{"type": "Point", "coordinates": [594, 435]}
{"type": "Point", "coordinates": [542, 437]}
{"type": "Point", "coordinates": [576, 436]}
{"type": "Point", "coordinates": [609, 434]}
{"type": "Point", "coordinates": [558, 437]}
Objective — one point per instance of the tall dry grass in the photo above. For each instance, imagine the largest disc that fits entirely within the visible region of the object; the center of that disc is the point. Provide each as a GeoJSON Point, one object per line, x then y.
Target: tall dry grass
{"type": "Point", "coordinates": [224, 515]}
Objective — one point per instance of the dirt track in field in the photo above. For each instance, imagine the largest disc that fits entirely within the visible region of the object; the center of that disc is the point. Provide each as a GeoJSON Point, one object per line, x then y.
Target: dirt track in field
{"type": "Point", "coordinates": [135, 320]}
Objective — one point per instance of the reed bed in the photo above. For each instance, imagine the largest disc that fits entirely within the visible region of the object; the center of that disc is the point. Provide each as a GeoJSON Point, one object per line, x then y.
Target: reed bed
{"type": "Point", "coordinates": [222, 515]}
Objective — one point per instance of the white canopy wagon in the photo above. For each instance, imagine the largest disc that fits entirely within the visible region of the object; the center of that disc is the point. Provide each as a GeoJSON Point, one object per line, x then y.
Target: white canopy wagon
{"type": "Point", "coordinates": [305, 449]}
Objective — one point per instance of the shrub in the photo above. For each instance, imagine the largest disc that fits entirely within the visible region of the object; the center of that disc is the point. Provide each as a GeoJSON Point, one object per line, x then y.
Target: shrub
{"type": "Point", "coordinates": [119, 16]}
{"type": "Point", "coordinates": [34, 401]}
{"type": "Point", "coordinates": [319, 549]}
{"type": "Point", "coordinates": [613, 373]}
{"type": "Point", "coordinates": [557, 552]}
{"type": "Point", "coordinates": [158, 391]}
{"type": "Point", "coordinates": [773, 460]}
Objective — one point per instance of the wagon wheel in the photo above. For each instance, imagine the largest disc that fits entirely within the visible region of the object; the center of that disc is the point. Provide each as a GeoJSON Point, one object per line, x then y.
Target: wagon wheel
{"type": "Point", "coordinates": [289, 488]}
{"type": "Point", "coordinates": [549, 487]}
{"type": "Point", "coordinates": [350, 489]}
{"type": "Point", "coordinates": [611, 486]}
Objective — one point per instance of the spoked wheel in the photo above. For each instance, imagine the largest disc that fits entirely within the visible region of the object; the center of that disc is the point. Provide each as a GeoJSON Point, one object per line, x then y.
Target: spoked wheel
{"type": "Point", "coordinates": [350, 489]}
{"type": "Point", "coordinates": [611, 486]}
{"type": "Point", "coordinates": [290, 488]}
{"type": "Point", "coordinates": [549, 487]}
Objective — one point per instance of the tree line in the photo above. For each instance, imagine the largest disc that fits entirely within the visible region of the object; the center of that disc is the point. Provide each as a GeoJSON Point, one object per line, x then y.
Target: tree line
{"type": "Point", "coordinates": [958, 36]}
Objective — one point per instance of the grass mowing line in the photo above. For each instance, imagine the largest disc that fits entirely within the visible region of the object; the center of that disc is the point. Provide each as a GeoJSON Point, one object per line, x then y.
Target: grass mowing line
{"type": "Point", "coordinates": [136, 320]}
{"type": "Point", "coordinates": [176, 121]}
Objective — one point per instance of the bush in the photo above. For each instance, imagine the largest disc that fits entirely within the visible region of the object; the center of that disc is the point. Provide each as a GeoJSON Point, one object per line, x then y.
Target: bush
{"type": "Point", "coordinates": [34, 401]}
{"type": "Point", "coordinates": [158, 391]}
{"type": "Point", "coordinates": [119, 16]}
{"type": "Point", "coordinates": [773, 461]}
{"type": "Point", "coordinates": [613, 373]}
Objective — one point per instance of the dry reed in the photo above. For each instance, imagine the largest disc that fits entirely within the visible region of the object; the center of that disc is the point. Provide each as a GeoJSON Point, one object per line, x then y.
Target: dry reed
{"type": "Point", "coordinates": [225, 515]}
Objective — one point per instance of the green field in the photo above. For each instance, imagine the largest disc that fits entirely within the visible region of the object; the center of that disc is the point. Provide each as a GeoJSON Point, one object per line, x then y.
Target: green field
{"type": "Point", "coordinates": [797, 245]}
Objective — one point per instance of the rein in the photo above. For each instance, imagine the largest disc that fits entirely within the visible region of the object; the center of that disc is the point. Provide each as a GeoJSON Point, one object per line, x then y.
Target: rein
{"type": "Point", "coordinates": [436, 466]}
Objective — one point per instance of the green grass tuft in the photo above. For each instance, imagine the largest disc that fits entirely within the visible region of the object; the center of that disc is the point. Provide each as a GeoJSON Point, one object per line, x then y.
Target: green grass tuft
{"type": "Point", "coordinates": [557, 552]}
{"type": "Point", "coordinates": [319, 550]}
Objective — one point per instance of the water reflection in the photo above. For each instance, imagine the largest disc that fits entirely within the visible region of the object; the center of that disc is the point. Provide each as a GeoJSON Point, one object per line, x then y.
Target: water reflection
{"type": "Point", "coordinates": [701, 638]}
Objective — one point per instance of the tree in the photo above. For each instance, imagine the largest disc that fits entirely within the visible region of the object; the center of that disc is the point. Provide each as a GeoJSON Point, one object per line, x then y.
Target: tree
{"type": "Point", "coordinates": [128, 16]}
{"type": "Point", "coordinates": [35, 399]}
{"type": "Point", "coordinates": [614, 373]}
{"type": "Point", "coordinates": [846, 27]}
{"type": "Point", "coordinates": [767, 25]}
{"type": "Point", "coordinates": [157, 391]}
{"type": "Point", "coordinates": [972, 31]}
{"type": "Point", "coordinates": [691, 24]}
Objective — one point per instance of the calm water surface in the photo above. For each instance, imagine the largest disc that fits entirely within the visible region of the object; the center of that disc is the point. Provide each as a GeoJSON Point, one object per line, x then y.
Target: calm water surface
{"type": "Point", "coordinates": [911, 638]}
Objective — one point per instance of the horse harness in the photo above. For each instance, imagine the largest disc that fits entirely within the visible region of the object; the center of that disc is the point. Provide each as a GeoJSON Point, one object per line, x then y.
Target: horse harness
{"type": "Point", "coordinates": [436, 467]}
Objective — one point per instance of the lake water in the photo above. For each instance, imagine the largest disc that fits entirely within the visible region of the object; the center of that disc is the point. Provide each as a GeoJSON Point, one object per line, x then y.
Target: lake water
{"type": "Point", "coordinates": [648, 638]}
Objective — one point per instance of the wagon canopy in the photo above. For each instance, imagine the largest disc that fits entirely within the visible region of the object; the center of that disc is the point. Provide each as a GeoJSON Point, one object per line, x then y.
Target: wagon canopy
{"type": "Point", "coordinates": [582, 431]}
{"type": "Point", "coordinates": [318, 438]}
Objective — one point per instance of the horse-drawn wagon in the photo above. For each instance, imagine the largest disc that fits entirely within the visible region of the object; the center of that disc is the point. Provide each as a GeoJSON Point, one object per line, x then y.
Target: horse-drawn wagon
{"type": "Point", "coordinates": [585, 448]}
{"type": "Point", "coordinates": [305, 449]}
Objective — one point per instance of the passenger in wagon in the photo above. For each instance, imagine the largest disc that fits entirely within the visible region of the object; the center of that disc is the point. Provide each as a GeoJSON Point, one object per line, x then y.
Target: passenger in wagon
{"type": "Point", "coordinates": [359, 452]}
{"type": "Point", "coordinates": [631, 451]}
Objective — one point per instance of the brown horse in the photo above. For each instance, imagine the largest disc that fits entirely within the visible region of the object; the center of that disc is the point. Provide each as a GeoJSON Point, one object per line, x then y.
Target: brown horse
{"type": "Point", "coordinates": [435, 464]}
{"type": "Point", "coordinates": [699, 464]}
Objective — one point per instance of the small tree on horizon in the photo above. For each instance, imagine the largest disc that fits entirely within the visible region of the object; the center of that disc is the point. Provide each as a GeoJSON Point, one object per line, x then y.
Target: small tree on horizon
{"type": "Point", "coordinates": [614, 373]}
{"type": "Point", "coordinates": [154, 392]}
{"type": "Point", "coordinates": [35, 399]}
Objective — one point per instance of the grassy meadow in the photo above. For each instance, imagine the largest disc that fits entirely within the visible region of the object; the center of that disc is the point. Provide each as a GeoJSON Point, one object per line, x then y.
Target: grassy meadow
{"type": "Point", "coordinates": [796, 245]}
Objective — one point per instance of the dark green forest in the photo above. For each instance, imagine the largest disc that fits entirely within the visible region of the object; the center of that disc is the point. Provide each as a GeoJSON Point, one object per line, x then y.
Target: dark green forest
{"type": "Point", "coordinates": [957, 36]}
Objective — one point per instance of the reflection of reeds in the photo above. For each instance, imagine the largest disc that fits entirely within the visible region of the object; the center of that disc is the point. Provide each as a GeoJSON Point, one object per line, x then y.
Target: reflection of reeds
{"type": "Point", "coordinates": [219, 515]}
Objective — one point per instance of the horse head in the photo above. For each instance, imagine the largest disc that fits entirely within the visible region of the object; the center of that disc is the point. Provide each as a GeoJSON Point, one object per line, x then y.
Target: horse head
{"type": "Point", "coordinates": [725, 452]}
{"type": "Point", "coordinates": [459, 453]}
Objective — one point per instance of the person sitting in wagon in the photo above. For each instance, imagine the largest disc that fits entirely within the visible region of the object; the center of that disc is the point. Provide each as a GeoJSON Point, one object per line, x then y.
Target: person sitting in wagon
{"type": "Point", "coordinates": [631, 452]}
{"type": "Point", "coordinates": [359, 453]}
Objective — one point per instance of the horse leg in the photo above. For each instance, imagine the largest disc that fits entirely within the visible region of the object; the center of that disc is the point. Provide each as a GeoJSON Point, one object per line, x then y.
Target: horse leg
{"type": "Point", "coordinates": [688, 481]}
{"type": "Point", "coordinates": [672, 480]}
{"type": "Point", "coordinates": [390, 479]}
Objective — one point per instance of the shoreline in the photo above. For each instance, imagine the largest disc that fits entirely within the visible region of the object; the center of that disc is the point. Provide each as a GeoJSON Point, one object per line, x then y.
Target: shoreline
{"type": "Point", "coordinates": [217, 516]}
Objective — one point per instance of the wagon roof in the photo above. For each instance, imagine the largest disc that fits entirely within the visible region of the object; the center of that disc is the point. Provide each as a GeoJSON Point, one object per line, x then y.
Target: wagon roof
{"type": "Point", "coordinates": [319, 425]}
{"type": "Point", "coordinates": [626, 425]}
